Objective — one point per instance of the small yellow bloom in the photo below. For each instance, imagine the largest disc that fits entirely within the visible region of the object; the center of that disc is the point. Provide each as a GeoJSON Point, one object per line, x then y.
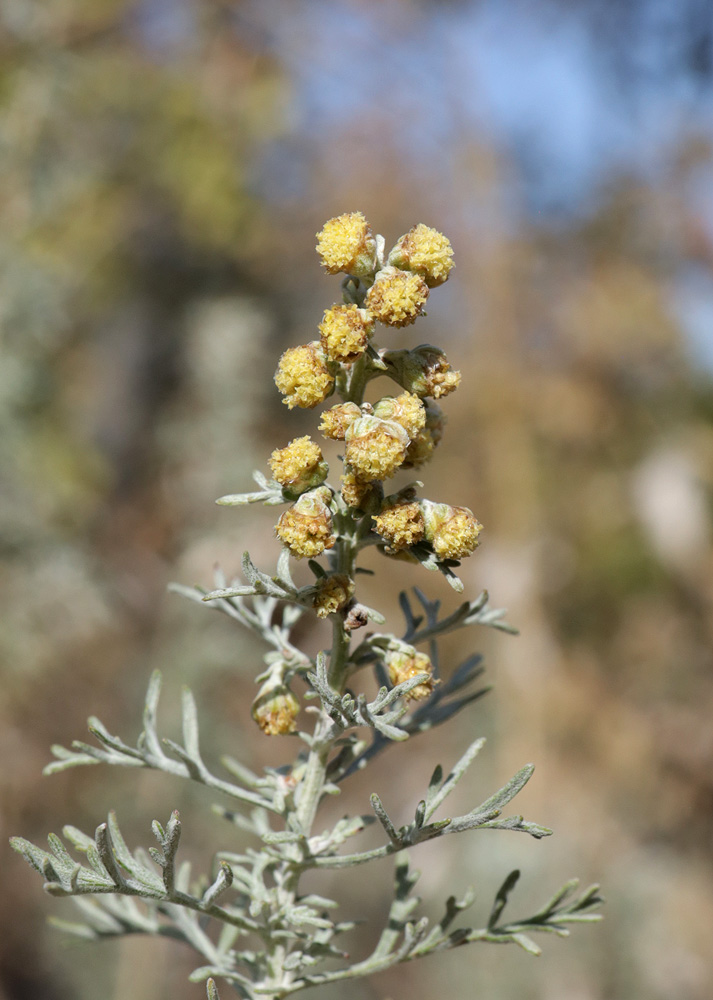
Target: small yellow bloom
{"type": "Point", "coordinates": [424, 370]}
{"type": "Point", "coordinates": [336, 421]}
{"type": "Point", "coordinates": [452, 531]}
{"type": "Point", "coordinates": [345, 332]}
{"type": "Point", "coordinates": [423, 445]}
{"type": "Point", "coordinates": [406, 409]}
{"type": "Point", "coordinates": [375, 448]}
{"type": "Point", "coordinates": [347, 244]}
{"type": "Point", "coordinates": [275, 710]}
{"type": "Point", "coordinates": [397, 297]}
{"type": "Point", "coordinates": [401, 525]}
{"type": "Point", "coordinates": [402, 666]}
{"type": "Point", "coordinates": [300, 466]}
{"type": "Point", "coordinates": [306, 527]}
{"type": "Point", "coordinates": [333, 594]}
{"type": "Point", "coordinates": [357, 493]}
{"type": "Point", "coordinates": [425, 251]}
{"type": "Point", "coordinates": [302, 376]}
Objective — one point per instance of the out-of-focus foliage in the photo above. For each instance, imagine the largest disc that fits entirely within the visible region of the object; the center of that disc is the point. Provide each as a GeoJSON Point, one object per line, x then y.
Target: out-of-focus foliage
{"type": "Point", "coordinates": [124, 201]}
{"type": "Point", "coordinates": [147, 191]}
{"type": "Point", "coordinates": [126, 213]}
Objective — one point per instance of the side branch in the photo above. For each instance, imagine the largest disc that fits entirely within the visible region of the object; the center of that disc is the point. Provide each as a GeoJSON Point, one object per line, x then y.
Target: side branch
{"type": "Point", "coordinates": [149, 752]}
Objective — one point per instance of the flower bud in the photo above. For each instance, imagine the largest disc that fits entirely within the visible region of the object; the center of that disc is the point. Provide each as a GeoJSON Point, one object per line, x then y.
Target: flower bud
{"type": "Point", "coordinates": [275, 709]}
{"type": "Point", "coordinates": [401, 525]}
{"type": "Point", "coordinates": [357, 493]}
{"type": "Point", "coordinates": [423, 445]}
{"type": "Point", "coordinates": [300, 466]}
{"type": "Point", "coordinates": [336, 421]}
{"type": "Point", "coordinates": [346, 243]}
{"type": "Point", "coordinates": [397, 297]}
{"type": "Point", "coordinates": [424, 371]}
{"type": "Point", "coordinates": [375, 448]}
{"type": "Point", "coordinates": [345, 332]}
{"type": "Point", "coordinates": [306, 527]}
{"type": "Point", "coordinates": [406, 409]}
{"type": "Point", "coordinates": [452, 531]}
{"type": "Point", "coordinates": [302, 376]}
{"type": "Point", "coordinates": [356, 617]}
{"type": "Point", "coordinates": [403, 665]}
{"type": "Point", "coordinates": [426, 252]}
{"type": "Point", "coordinates": [333, 594]}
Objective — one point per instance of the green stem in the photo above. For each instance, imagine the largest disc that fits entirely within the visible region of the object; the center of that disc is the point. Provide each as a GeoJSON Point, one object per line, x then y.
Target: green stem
{"type": "Point", "coordinates": [347, 546]}
{"type": "Point", "coordinates": [314, 778]}
{"type": "Point", "coordinates": [358, 378]}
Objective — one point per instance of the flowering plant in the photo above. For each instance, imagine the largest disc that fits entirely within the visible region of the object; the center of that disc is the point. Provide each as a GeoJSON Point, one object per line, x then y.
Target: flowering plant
{"type": "Point", "coordinates": [275, 939]}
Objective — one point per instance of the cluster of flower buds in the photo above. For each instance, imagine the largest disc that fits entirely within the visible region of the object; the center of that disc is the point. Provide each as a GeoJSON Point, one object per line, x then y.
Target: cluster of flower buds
{"type": "Point", "coordinates": [345, 332]}
{"type": "Point", "coordinates": [307, 528]}
{"type": "Point", "coordinates": [332, 594]}
{"type": "Point", "coordinates": [451, 531]}
{"type": "Point", "coordinates": [403, 662]}
{"type": "Point", "coordinates": [395, 292]}
{"type": "Point", "coordinates": [304, 377]}
{"type": "Point", "coordinates": [424, 371]}
{"type": "Point", "coordinates": [299, 467]}
{"type": "Point", "coordinates": [396, 432]}
{"type": "Point", "coordinates": [275, 709]}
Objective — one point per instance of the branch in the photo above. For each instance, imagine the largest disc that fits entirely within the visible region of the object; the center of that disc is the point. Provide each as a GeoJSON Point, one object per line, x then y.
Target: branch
{"type": "Point", "coordinates": [486, 816]}
{"type": "Point", "coordinates": [113, 869]}
{"type": "Point", "coordinates": [149, 750]}
{"type": "Point", "coordinates": [440, 707]}
{"type": "Point", "coordinates": [403, 940]}
{"type": "Point", "coordinates": [265, 593]}
{"type": "Point", "coordinates": [270, 494]}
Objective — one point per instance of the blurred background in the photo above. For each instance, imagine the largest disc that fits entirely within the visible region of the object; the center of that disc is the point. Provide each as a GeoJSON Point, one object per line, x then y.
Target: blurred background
{"type": "Point", "coordinates": [165, 166]}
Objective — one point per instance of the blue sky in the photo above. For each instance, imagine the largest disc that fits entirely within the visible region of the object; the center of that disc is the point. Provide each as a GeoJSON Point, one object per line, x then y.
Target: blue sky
{"type": "Point", "coordinates": [569, 98]}
{"type": "Point", "coordinates": [533, 77]}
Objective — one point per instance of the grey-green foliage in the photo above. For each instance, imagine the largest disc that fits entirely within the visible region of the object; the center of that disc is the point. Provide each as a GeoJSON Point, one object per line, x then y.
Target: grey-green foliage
{"type": "Point", "coordinates": [265, 937]}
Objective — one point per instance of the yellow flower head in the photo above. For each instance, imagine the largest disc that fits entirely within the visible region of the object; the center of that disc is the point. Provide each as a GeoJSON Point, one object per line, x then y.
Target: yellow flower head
{"type": "Point", "coordinates": [336, 421]}
{"type": "Point", "coordinates": [425, 251]}
{"type": "Point", "coordinates": [397, 297]}
{"type": "Point", "coordinates": [401, 525]}
{"type": "Point", "coordinates": [306, 527]}
{"type": "Point", "coordinates": [402, 666]}
{"type": "Point", "coordinates": [275, 709]}
{"type": "Point", "coordinates": [333, 594]}
{"type": "Point", "coordinates": [347, 244]}
{"type": "Point", "coordinates": [300, 466]}
{"type": "Point", "coordinates": [424, 370]}
{"type": "Point", "coordinates": [357, 493]}
{"type": "Point", "coordinates": [406, 409]}
{"type": "Point", "coordinates": [423, 445]}
{"type": "Point", "coordinates": [452, 531]}
{"type": "Point", "coordinates": [345, 332]}
{"type": "Point", "coordinates": [375, 448]}
{"type": "Point", "coordinates": [302, 376]}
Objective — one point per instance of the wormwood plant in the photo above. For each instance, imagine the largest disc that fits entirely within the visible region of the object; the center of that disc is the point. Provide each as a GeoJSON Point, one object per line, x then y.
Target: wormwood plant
{"type": "Point", "coordinates": [250, 920]}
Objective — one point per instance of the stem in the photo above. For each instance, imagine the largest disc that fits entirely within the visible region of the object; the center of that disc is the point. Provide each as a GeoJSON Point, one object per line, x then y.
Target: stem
{"type": "Point", "coordinates": [358, 378]}
{"type": "Point", "coordinates": [340, 654]}
{"type": "Point", "coordinates": [315, 774]}
{"type": "Point", "coordinates": [314, 778]}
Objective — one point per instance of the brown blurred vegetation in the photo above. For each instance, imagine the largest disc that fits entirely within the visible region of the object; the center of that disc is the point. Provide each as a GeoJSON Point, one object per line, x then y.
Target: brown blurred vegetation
{"type": "Point", "coordinates": [147, 289]}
